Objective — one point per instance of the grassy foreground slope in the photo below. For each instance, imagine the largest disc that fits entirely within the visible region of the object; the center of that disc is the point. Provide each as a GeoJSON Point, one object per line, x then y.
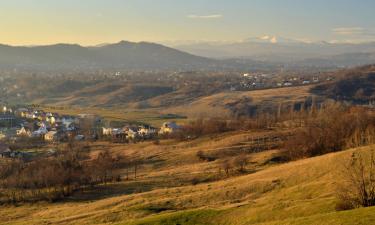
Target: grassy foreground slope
{"type": "Point", "coordinates": [301, 192]}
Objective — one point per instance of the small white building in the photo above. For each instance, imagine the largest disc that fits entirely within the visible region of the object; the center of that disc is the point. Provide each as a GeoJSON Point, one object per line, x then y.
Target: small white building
{"type": "Point", "coordinates": [306, 82]}
{"type": "Point", "coordinates": [146, 131]}
{"type": "Point", "coordinates": [24, 132]}
{"type": "Point", "coordinates": [41, 131]}
{"type": "Point", "coordinates": [107, 131]}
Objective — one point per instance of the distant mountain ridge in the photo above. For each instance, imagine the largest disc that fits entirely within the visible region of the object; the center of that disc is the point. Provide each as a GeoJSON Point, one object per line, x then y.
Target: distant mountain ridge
{"type": "Point", "coordinates": [278, 49]}
{"type": "Point", "coordinates": [265, 54]}
{"type": "Point", "coordinates": [122, 55]}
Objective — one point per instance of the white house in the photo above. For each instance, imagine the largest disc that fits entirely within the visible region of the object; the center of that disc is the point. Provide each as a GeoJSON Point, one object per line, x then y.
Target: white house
{"type": "Point", "coordinates": [306, 82]}
{"type": "Point", "coordinates": [41, 131]}
{"type": "Point", "coordinates": [25, 132]}
{"type": "Point", "coordinates": [146, 131]}
{"type": "Point", "coordinates": [107, 131]}
{"type": "Point", "coordinates": [131, 132]}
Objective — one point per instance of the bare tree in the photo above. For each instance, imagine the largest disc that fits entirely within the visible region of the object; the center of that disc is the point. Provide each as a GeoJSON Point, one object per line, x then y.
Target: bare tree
{"type": "Point", "coordinates": [358, 188]}
{"type": "Point", "coordinates": [240, 162]}
{"type": "Point", "coordinates": [226, 165]}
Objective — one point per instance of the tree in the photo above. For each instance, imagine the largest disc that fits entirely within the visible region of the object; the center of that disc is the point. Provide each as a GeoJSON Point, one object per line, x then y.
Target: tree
{"type": "Point", "coordinates": [240, 162]}
{"type": "Point", "coordinates": [226, 165]}
{"type": "Point", "coordinates": [358, 188]}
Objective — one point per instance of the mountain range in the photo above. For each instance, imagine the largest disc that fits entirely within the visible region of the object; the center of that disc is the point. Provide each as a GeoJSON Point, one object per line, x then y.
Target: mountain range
{"type": "Point", "coordinates": [251, 54]}
{"type": "Point", "coordinates": [122, 55]}
{"type": "Point", "coordinates": [279, 49]}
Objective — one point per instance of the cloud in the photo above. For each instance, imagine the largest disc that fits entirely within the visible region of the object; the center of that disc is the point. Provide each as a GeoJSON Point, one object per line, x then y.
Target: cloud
{"type": "Point", "coordinates": [353, 31]}
{"type": "Point", "coordinates": [212, 16]}
{"type": "Point", "coordinates": [273, 40]}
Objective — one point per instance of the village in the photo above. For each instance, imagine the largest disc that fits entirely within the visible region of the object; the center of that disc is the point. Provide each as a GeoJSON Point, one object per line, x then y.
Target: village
{"type": "Point", "coordinates": [29, 125]}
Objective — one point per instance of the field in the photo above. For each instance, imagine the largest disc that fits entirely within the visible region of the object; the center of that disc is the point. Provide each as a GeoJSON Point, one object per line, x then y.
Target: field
{"type": "Point", "coordinates": [166, 190]}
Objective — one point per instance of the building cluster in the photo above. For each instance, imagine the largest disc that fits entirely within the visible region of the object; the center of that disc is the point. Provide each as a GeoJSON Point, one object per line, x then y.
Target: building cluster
{"type": "Point", "coordinates": [251, 81]}
{"type": "Point", "coordinates": [31, 123]}
{"type": "Point", "coordinates": [295, 81]}
{"type": "Point", "coordinates": [53, 127]}
{"type": "Point", "coordinates": [130, 132]}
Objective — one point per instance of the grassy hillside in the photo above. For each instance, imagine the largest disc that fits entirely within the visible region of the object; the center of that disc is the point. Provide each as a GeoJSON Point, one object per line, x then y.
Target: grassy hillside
{"type": "Point", "coordinates": [355, 85]}
{"type": "Point", "coordinates": [301, 192]}
{"type": "Point", "coordinates": [147, 109]}
{"type": "Point", "coordinates": [244, 103]}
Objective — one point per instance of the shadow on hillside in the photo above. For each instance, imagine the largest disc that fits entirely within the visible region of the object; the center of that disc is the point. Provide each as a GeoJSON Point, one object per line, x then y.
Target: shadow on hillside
{"type": "Point", "coordinates": [111, 190]}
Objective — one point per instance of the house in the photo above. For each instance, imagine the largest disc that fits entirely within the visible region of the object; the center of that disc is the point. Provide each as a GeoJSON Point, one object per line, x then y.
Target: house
{"type": "Point", "coordinates": [169, 128]}
{"type": "Point", "coordinates": [131, 132]}
{"type": "Point", "coordinates": [2, 135]}
{"type": "Point", "coordinates": [67, 120]}
{"type": "Point", "coordinates": [146, 131]}
{"type": "Point", "coordinates": [117, 132]}
{"type": "Point", "coordinates": [51, 119]}
{"type": "Point", "coordinates": [24, 132]}
{"type": "Point", "coordinates": [306, 82]}
{"type": "Point", "coordinates": [41, 131]}
{"type": "Point", "coordinates": [22, 112]}
{"type": "Point", "coordinates": [107, 131]}
{"type": "Point", "coordinates": [17, 154]}
{"type": "Point", "coordinates": [51, 136]}
{"type": "Point", "coordinates": [72, 127]}
{"type": "Point", "coordinates": [287, 83]}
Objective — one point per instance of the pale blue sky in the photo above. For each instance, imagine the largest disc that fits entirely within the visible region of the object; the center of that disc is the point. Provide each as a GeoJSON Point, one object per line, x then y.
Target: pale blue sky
{"type": "Point", "coordinates": [97, 21]}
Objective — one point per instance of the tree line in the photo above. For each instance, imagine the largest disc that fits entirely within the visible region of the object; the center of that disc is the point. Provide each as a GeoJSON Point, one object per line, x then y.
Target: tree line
{"type": "Point", "coordinates": [56, 177]}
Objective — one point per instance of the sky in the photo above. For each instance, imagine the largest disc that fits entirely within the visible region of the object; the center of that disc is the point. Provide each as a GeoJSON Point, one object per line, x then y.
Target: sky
{"type": "Point", "coordinates": [91, 22]}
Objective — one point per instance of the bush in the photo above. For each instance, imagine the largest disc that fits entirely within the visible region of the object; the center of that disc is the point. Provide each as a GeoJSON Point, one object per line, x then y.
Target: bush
{"type": "Point", "coordinates": [206, 157]}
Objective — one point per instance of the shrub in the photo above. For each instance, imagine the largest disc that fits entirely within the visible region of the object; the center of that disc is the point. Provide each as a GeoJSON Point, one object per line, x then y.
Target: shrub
{"type": "Point", "coordinates": [206, 156]}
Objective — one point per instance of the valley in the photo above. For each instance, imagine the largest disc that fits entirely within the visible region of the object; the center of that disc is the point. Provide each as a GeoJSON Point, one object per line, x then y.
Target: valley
{"type": "Point", "coordinates": [237, 158]}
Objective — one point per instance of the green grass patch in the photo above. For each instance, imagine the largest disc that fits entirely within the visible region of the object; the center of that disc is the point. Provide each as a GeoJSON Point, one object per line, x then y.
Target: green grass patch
{"type": "Point", "coordinates": [195, 217]}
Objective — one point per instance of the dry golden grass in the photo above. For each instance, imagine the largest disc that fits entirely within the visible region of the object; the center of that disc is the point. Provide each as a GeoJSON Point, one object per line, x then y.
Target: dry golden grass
{"type": "Point", "coordinates": [301, 192]}
{"type": "Point", "coordinates": [216, 105]}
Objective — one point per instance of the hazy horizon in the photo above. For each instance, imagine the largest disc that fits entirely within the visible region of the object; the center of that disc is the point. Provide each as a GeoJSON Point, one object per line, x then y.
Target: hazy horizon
{"type": "Point", "coordinates": [45, 22]}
